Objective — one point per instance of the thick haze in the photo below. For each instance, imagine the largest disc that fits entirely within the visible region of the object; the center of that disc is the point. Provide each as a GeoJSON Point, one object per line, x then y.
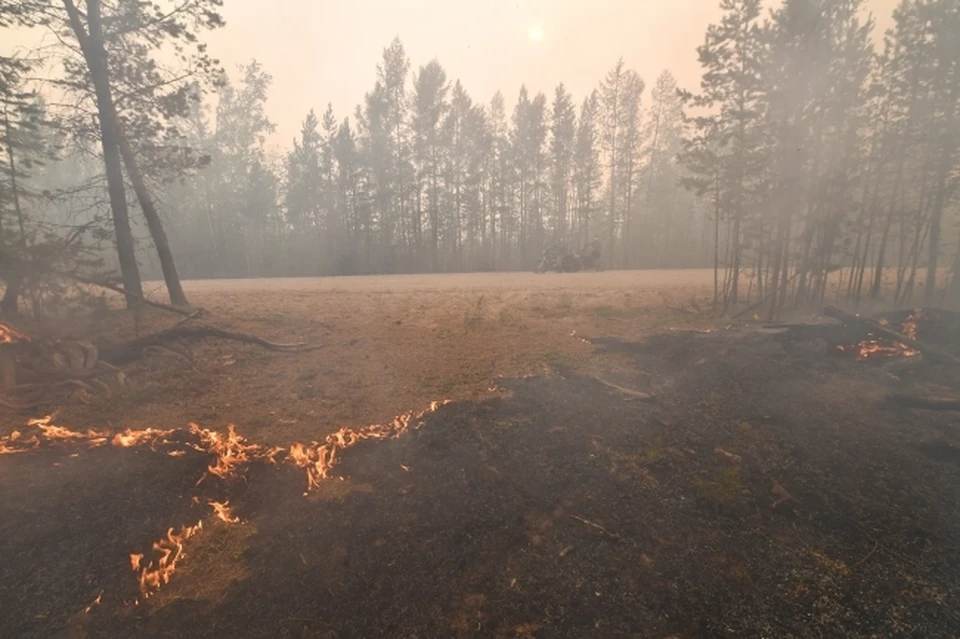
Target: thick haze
{"type": "Point", "coordinates": [320, 52]}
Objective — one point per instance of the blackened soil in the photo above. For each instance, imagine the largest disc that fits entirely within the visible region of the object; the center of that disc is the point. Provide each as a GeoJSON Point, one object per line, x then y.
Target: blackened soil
{"type": "Point", "coordinates": [767, 491]}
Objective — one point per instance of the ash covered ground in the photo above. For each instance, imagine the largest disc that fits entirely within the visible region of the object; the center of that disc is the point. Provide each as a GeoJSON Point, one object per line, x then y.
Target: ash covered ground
{"type": "Point", "coordinates": [765, 490]}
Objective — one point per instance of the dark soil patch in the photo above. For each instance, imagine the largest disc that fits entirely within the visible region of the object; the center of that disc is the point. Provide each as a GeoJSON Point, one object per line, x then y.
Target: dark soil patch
{"type": "Point", "coordinates": [766, 492]}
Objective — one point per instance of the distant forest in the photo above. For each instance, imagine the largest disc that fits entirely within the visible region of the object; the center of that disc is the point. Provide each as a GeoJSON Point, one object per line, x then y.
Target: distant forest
{"type": "Point", "coordinates": [811, 147]}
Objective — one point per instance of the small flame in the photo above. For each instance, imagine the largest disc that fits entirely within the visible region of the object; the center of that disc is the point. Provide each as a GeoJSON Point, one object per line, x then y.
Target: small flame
{"type": "Point", "coordinates": [909, 325]}
{"type": "Point", "coordinates": [222, 510]}
{"type": "Point", "coordinates": [874, 347]}
{"type": "Point", "coordinates": [319, 459]}
{"type": "Point", "coordinates": [131, 437]}
{"type": "Point", "coordinates": [93, 603]}
{"type": "Point", "coordinates": [10, 335]}
{"type": "Point", "coordinates": [170, 552]}
{"type": "Point", "coordinates": [232, 450]}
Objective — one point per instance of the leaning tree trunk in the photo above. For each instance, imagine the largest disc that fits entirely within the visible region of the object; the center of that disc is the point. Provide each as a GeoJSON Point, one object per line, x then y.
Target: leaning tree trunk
{"type": "Point", "coordinates": [167, 264]}
{"type": "Point", "coordinates": [96, 57]}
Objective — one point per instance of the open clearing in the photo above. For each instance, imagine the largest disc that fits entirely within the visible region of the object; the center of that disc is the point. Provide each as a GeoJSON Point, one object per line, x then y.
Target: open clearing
{"type": "Point", "coordinates": [612, 465]}
{"type": "Point", "coordinates": [389, 344]}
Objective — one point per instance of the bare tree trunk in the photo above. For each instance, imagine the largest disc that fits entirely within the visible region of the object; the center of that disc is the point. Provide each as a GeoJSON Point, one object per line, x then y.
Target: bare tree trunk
{"type": "Point", "coordinates": [9, 307]}
{"type": "Point", "coordinates": [716, 240]}
{"type": "Point", "coordinates": [167, 264]}
{"type": "Point", "coordinates": [96, 57]}
{"type": "Point", "coordinates": [936, 216]}
{"type": "Point", "coordinates": [953, 293]}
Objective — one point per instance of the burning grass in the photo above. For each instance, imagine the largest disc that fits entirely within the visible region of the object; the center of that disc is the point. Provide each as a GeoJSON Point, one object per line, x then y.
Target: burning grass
{"type": "Point", "coordinates": [231, 454]}
{"type": "Point", "coordinates": [563, 506]}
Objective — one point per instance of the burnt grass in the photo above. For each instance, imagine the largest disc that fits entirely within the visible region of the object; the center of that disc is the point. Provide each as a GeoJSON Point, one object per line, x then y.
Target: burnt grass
{"type": "Point", "coordinates": [767, 491]}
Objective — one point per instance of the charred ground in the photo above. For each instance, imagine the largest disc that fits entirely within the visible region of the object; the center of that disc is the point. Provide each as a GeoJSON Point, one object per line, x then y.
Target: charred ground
{"type": "Point", "coordinates": [766, 490]}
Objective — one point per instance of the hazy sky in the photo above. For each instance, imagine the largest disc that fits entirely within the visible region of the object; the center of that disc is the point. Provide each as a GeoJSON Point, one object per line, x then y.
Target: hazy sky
{"type": "Point", "coordinates": [327, 51]}
{"type": "Point", "coordinates": [321, 51]}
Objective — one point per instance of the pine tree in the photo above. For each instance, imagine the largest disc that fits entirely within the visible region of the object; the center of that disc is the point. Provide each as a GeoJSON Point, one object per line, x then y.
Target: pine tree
{"type": "Point", "coordinates": [612, 95]}
{"type": "Point", "coordinates": [663, 137]}
{"type": "Point", "coordinates": [732, 56]}
{"type": "Point", "coordinates": [392, 75]}
{"type": "Point", "coordinates": [430, 89]}
{"type": "Point", "coordinates": [628, 157]}
{"type": "Point", "coordinates": [586, 167]}
{"type": "Point", "coordinates": [563, 129]}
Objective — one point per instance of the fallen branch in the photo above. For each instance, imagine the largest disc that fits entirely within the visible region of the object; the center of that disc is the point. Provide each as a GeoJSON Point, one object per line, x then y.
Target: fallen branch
{"type": "Point", "coordinates": [646, 397]}
{"type": "Point", "coordinates": [126, 351]}
{"type": "Point", "coordinates": [926, 403]}
{"type": "Point", "coordinates": [877, 328]}
{"type": "Point", "coordinates": [876, 544]}
{"type": "Point", "coordinates": [189, 312]}
{"type": "Point", "coordinates": [598, 527]}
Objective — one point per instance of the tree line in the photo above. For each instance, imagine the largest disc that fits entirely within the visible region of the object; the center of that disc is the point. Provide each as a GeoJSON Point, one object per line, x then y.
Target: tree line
{"type": "Point", "coordinates": [815, 160]}
{"type": "Point", "coordinates": [423, 178]}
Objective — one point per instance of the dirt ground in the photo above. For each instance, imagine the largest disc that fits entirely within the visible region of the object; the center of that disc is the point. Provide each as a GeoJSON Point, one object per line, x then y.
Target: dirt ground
{"type": "Point", "coordinates": [616, 464]}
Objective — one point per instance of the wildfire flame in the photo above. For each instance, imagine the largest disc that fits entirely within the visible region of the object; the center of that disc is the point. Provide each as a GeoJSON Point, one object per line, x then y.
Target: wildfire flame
{"type": "Point", "coordinates": [93, 603]}
{"type": "Point", "coordinates": [319, 459]}
{"type": "Point", "coordinates": [222, 510]}
{"type": "Point", "coordinates": [131, 437]}
{"type": "Point", "coordinates": [232, 450]}
{"type": "Point", "coordinates": [909, 325]}
{"type": "Point", "coordinates": [170, 552]}
{"type": "Point", "coordinates": [10, 335]}
{"type": "Point", "coordinates": [871, 347]}
{"type": "Point", "coordinates": [232, 453]}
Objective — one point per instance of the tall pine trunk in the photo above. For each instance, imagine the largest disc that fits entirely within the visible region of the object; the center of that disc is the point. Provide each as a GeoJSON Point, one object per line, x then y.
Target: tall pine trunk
{"type": "Point", "coordinates": [96, 57]}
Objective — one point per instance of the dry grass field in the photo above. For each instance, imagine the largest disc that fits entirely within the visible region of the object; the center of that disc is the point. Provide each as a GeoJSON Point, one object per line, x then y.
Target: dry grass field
{"type": "Point", "coordinates": [388, 344]}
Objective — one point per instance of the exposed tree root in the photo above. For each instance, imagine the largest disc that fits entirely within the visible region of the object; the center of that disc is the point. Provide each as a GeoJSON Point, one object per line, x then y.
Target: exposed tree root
{"type": "Point", "coordinates": [181, 310]}
{"type": "Point", "coordinates": [130, 350]}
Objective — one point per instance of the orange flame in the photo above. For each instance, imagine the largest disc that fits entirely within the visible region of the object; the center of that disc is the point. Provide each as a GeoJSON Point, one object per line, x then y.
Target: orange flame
{"type": "Point", "coordinates": [232, 450]}
{"type": "Point", "coordinates": [10, 335]}
{"type": "Point", "coordinates": [50, 433]}
{"type": "Point", "coordinates": [93, 603]}
{"type": "Point", "coordinates": [319, 459]}
{"type": "Point", "coordinates": [222, 510]}
{"type": "Point", "coordinates": [871, 347]}
{"type": "Point", "coordinates": [131, 437]}
{"type": "Point", "coordinates": [909, 325]}
{"type": "Point", "coordinates": [170, 552]}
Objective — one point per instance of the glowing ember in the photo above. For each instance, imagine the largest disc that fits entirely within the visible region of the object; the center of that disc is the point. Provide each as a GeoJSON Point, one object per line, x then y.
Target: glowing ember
{"type": "Point", "coordinates": [875, 347]}
{"type": "Point", "coordinates": [10, 335]}
{"type": "Point", "coordinates": [93, 603]}
{"type": "Point", "coordinates": [319, 459]}
{"type": "Point", "coordinates": [222, 510]}
{"type": "Point", "coordinates": [169, 552]}
{"type": "Point", "coordinates": [909, 325]}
